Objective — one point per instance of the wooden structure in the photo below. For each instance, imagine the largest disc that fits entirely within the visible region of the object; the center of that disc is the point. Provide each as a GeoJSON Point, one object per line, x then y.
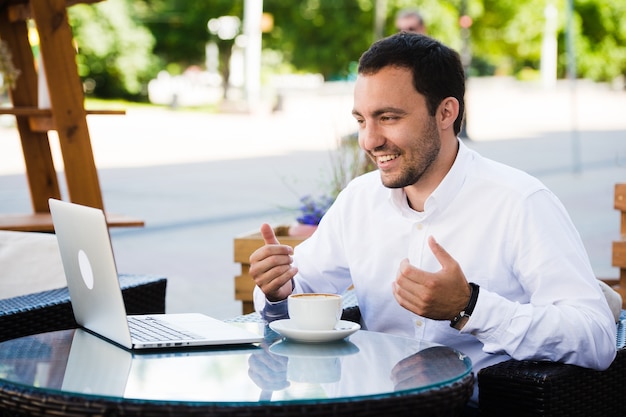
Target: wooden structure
{"type": "Point", "coordinates": [619, 246]}
{"type": "Point", "coordinates": [66, 114]}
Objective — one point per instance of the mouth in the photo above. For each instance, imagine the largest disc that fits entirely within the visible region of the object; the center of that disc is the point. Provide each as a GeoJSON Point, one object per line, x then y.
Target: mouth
{"type": "Point", "coordinates": [384, 159]}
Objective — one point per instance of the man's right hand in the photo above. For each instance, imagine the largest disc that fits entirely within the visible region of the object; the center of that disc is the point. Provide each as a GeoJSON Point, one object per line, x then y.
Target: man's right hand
{"type": "Point", "coordinates": [270, 266]}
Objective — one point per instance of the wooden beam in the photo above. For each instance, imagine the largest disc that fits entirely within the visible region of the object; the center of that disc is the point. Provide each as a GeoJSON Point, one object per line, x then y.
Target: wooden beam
{"type": "Point", "coordinates": [41, 120]}
{"type": "Point", "coordinates": [67, 101]}
{"type": "Point", "coordinates": [42, 177]}
{"type": "Point", "coordinates": [42, 222]}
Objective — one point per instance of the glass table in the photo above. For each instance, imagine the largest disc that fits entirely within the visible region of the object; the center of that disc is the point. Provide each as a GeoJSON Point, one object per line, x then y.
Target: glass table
{"type": "Point", "coordinates": [74, 373]}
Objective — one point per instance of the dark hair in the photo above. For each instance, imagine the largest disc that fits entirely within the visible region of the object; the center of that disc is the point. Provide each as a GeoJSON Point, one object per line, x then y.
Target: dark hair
{"type": "Point", "coordinates": [437, 69]}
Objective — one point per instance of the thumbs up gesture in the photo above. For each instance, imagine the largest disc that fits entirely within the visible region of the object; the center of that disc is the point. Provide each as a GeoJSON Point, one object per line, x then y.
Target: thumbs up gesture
{"type": "Point", "coordinates": [270, 266]}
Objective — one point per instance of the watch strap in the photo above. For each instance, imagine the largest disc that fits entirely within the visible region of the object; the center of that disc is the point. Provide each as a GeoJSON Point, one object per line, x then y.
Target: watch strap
{"type": "Point", "coordinates": [469, 308]}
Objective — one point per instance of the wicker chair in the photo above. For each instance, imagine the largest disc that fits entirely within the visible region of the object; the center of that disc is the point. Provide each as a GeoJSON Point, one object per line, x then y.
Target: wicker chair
{"type": "Point", "coordinates": [530, 388]}
{"type": "Point", "coordinates": [51, 310]}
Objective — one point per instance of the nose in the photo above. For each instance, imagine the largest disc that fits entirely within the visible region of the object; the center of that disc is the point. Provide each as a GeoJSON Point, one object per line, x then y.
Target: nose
{"type": "Point", "coordinates": [370, 137]}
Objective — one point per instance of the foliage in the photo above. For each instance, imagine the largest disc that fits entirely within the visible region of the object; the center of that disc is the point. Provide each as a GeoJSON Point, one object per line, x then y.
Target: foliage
{"type": "Point", "coordinates": [601, 43]}
{"type": "Point", "coordinates": [321, 36]}
{"type": "Point", "coordinates": [119, 39]}
{"type": "Point", "coordinates": [114, 53]}
{"type": "Point", "coordinates": [8, 73]}
{"type": "Point", "coordinates": [181, 32]}
{"type": "Point", "coordinates": [180, 27]}
{"type": "Point", "coordinates": [507, 35]}
{"type": "Point", "coordinates": [348, 161]}
{"type": "Point", "coordinates": [328, 36]}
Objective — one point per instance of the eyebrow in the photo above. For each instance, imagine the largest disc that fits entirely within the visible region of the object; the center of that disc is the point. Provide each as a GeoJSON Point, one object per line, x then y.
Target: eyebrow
{"type": "Point", "coordinates": [378, 112]}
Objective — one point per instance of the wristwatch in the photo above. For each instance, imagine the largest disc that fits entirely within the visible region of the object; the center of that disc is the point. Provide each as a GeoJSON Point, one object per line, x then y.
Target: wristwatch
{"type": "Point", "coordinates": [469, 308]}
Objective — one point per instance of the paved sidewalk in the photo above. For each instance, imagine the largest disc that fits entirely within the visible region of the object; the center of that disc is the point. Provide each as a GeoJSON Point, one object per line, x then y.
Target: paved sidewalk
{"type": "Point", "coordinates": [199, 180]}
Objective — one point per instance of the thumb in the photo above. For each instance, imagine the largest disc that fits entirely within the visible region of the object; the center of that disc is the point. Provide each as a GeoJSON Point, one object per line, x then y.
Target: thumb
{"type": "Point", "coordinates": [268, 235]}
{"type": "Point", "coordinates": [440, 253]}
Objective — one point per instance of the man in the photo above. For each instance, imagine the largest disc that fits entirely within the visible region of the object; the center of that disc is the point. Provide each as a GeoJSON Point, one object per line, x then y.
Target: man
{"type": "Point", "coordinates": [440, 243]}
{"type": "Point", "coordinates": [410, 20]}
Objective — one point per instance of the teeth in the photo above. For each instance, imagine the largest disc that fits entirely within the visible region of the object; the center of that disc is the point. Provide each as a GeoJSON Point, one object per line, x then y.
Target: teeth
{"type": "Point", "coordinates": [386, 158]}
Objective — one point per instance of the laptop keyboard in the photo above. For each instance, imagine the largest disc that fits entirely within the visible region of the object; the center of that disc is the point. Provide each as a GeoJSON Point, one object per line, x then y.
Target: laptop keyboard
{"type": "Point", "coordinates": [150, 329]}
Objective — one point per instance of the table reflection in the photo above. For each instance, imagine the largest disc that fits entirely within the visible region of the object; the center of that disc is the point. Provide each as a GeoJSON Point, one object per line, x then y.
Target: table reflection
{"type": "Point", "coordinates": [366, 363]}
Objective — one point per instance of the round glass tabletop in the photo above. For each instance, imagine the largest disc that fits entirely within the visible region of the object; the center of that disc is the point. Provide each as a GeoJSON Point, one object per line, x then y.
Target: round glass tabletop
{"type": "Point", "coordinates": [364, 365]}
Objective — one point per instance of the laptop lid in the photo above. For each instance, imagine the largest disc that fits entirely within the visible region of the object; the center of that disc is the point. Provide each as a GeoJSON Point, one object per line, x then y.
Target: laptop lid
{"type": "Point", "coordinates": [95, 294]}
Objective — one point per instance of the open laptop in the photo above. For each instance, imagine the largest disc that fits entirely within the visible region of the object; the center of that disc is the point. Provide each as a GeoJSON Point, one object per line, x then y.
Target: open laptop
{"type": "Point", "coordinates": [96, 297]}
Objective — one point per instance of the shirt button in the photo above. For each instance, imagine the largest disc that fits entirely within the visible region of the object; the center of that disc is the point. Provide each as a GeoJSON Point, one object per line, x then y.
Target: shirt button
{"type": "Point", "coordinates": [419, 226]}
{"type": "Point", "coordinates": [419, 323]}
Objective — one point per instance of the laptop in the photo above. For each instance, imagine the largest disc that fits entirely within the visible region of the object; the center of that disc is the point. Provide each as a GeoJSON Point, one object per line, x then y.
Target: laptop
{"type": "Point", "coordinates": [96, 297]}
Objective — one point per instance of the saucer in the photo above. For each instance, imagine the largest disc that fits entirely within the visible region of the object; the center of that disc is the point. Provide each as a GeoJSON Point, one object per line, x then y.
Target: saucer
{"type": "Point", "coordinates": [288, 329]}
{"type": "Point", "coordinates": [333, 349]}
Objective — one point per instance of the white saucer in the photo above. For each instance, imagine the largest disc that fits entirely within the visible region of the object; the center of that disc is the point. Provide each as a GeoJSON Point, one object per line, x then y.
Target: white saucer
{"type": "Point", "coordinates": [287, 329]}
{"type": "Point", "coordinates": [294, 349]}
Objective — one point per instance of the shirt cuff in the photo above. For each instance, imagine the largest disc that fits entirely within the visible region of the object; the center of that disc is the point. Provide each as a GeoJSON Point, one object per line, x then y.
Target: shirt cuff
{"type": "Point", "coordinates": [275, 310]}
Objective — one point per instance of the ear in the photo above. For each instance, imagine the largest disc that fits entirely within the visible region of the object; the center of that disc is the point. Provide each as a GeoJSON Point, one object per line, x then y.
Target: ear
{"type": "Point", "coordinates": [447, 113]}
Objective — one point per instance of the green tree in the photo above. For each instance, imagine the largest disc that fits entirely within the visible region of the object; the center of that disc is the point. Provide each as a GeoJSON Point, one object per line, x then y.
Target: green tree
{"type": "Point", "coordinates": [507, 34]}
{"type": "Point", "coordinates": [180, 26]}
{"type": "Point", "coordinates": [115, 56]}
{"type": "Point", "coordinates": [323, 36]}
{"type": "Point", "coordinates": [116, 49]}
{"type": "Point", "coordinates": [601, 39]}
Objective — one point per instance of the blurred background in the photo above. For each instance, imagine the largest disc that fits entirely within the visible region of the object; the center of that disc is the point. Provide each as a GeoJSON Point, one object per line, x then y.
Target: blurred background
{"type": "Point", "coordinates": [237, 108]}
{"type": "Point", "coordinates": [199, 53]}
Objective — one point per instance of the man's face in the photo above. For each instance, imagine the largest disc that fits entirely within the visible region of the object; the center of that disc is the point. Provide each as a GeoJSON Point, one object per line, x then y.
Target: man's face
{"type": "Point", "coordinates": [395, 128]}
{"type": "Point", "coordinates": [410, 24]}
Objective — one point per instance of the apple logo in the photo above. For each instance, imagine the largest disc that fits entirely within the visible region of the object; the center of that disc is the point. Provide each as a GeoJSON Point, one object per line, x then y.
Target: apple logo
{"type": "Point", "coordinates": [85, 269]}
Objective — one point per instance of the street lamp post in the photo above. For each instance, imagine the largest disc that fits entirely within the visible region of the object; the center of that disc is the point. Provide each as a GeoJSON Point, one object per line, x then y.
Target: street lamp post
{"type": "Point", "coordinates": [253, 13]}
{"type": "Point", "coordinates": [466, 55]}
{"type": "Point", "coordinates": [571, 75]}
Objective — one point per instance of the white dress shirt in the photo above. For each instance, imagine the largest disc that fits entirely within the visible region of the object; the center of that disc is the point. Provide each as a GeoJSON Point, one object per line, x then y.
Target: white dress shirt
{"type": "Point", "coordinates": [538, 299]}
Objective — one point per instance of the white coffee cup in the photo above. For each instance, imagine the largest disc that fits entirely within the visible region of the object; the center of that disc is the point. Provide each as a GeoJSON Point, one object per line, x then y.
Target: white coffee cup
{"type": "Point", "coordinates": [314, 311]}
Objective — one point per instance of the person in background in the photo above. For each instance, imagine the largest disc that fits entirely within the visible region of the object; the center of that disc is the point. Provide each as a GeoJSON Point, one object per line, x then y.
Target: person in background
{"type": "Point", "coordinates": [441, 243]}
{"type": "Point", "coordinates": [410, 20]}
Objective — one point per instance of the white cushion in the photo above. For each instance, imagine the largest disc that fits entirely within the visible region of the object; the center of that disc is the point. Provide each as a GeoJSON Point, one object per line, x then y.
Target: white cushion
{"type": "Point", "coordinates": [29, 262]}
{"type": "Point", "coordinates": [613, 298]}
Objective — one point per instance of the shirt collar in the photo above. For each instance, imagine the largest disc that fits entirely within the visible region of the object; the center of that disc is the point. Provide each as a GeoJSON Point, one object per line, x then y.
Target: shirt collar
{"type": "Point", "coordinates": [445, 192]}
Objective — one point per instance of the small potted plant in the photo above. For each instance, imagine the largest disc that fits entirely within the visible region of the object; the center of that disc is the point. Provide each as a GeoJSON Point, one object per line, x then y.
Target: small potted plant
{"type": "Point", "coordinates": [311, 212]}
{"type": "Point", "coordinates": [348, 163]}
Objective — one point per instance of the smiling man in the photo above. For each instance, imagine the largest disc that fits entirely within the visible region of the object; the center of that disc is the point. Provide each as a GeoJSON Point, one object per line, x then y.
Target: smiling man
{"type": "Point", "coordinates": [441, 243]}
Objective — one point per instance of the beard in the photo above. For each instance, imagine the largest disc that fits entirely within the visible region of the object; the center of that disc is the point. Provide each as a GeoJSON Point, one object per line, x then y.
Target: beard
{"type": "Point", "coordinates": [418, 159]}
